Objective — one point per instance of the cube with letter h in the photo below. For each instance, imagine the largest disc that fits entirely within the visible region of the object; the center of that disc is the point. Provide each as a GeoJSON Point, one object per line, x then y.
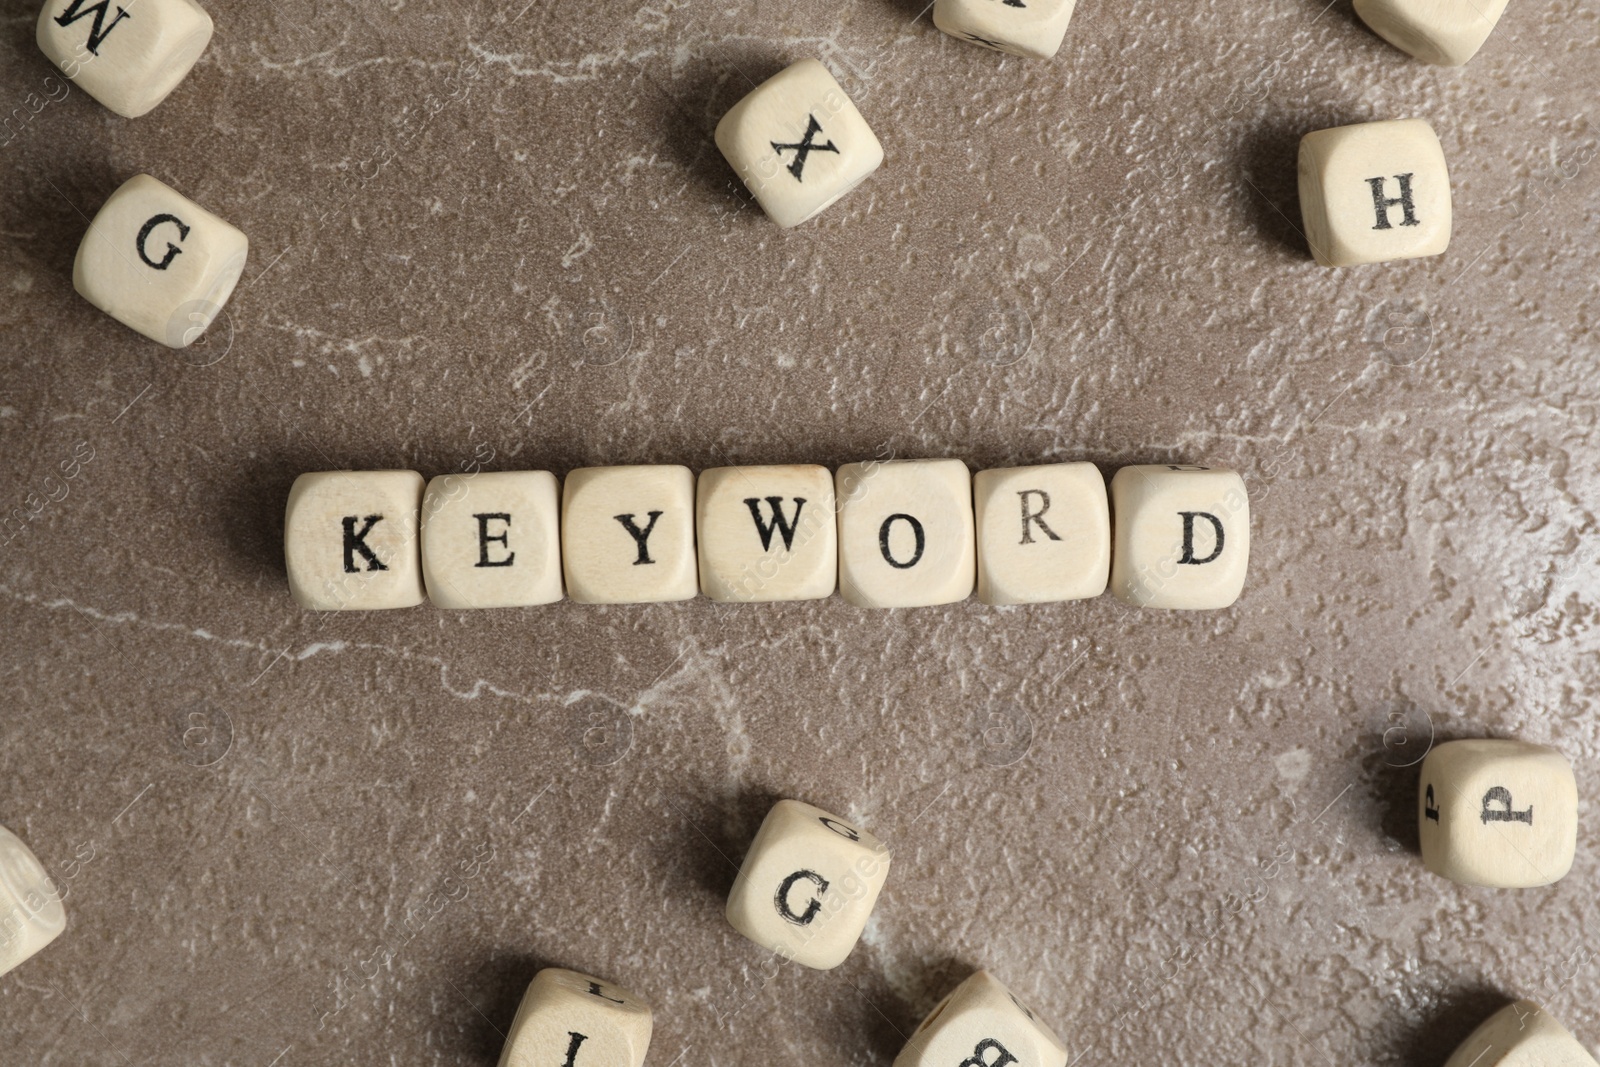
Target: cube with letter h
{"type": "Point", "coordinates": [568, 1019]}
{"type": "Point", "coordinates": [1497, 813]}
{"type": "Point", "coordinates": [350, 540]}
{"type": "Point", "coordinates": [1374, 192]}
{"type": "Point", "coordinates": [128, 55]}
{"type": "Point", "coordinates": [808, 885]}
{"type": "Point", "coordinates": [1182, 536]}
{"type": "Point", "coordinates": [982, 1024]}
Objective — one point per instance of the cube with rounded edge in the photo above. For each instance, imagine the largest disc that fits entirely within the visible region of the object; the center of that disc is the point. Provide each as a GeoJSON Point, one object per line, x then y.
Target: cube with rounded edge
{"type": "Point", "coordinates": [808, 885]}
{"type": "Point", "coordinates": [627, 535]}
{"type": "Point", "coordinates": [906, 534]}
{"type": "Point", "coordinates": [126, 55]}
{"type": "Point", "coordinates": [350, 540]}
{"type": "Point", "coordinates": [1033, 29]}
{"type": "Point", "coordinates": [1520, 1035]}
{"type": "Point", "coordinates": [766, 533]}
{"type": "Point", "coordinates": [492, 539]}
{"type": "Point", "coordinates": [158, 262]}
{"type": "Point", "coordinates": [1374, 192]}
{"type": "Point", "coordinates": [1445, 32]}
{"type": "Point", "coordinates": [568, 1019]}
{"type": "Point", "coordinates": [982, 1024]}
{"type": "Point", "coordinates": [798, 143]}
{"type": "Point", "coordinates": [1181, 536]}
{"type": "Point", "coordinates": [1497, 813]}
{"type": "Point", "coordinates": [1044, 533]}
{"type": "Point", "coordinates": [31, 915]}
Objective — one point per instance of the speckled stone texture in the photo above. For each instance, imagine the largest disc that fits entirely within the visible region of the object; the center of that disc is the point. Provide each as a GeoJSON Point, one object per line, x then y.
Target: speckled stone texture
{"type": "Point", "coordinates": [501, 235]}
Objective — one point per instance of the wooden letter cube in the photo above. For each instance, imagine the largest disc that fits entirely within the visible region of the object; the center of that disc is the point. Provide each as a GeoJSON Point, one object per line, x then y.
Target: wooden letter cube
{"type": "Point", "coordinates": [1521, 1035]}
{"type": "Point", "coordinates": [1446, 32]}
{"type": "Point", "coordinates": [1030, 28]}
{"type": "Point", "coordinates": [1182, 536]}
{"type": "Point", "coordinates": [1374, 192]}
{"type": "Point", "coordinates": [350, 540]}
{"type": "Point", "coordinates": [492, 540]}
{"type": "Point", "coordinates": [1044, 533]}
{"type": "Point", "coordinates": [798, 143]}
{"type": "Point", "coordinates": [158, 262]}
{"type": "Point", "coordinates": [627, 535]}
{"type": "Point", "coordinates": [1497, 813]}
{"type": "Point", "coordinates": [982, 1024]}
{"type": "Point", "coordinates": [127, 54]}
{"type": "Point", "coordinates": [767, 533]}
{"type": "Point", "coordinates": [906, 535]}
{"type": "Point", "coordinates": [31, 915]}
{"type": "Point", "coordinates": [567, 1019]}
{"type": "Point", "coordinates": [808, 885]}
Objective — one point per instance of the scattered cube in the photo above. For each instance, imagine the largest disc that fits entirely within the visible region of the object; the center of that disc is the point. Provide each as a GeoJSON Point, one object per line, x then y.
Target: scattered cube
{"type": "Point", "coordinates": [798, 143]}
{"type": "Point", "coordinates": [906, 535]}
{"type": "Point", "coordinates": [31, 915]}
{"type": "Point", "coordinates": [627, 535]}
{"type": "Point", "coordinates": [1497, 813]}
{"type": "Point", "coordinates": [1032, 29]}
{"type": "Point", "coordinates": [1521, 1035]}
{"type": "Point", "coordinates": [982, 1024]}
{"type": "Point", "coordinates": [1181, 538]}
{"type": "Point", "coordinates": [158, 262]}
{"type": "Point", "coordinates": [767, 533]}
{"type": "Point", "coordinates": [1445, 32]}
{"type": "Point", "coordinates": [126, 55]}
{"type": "Point", "coordinates": [492, 540]}
{"type": "Point", "coordinates": [1374, 192]}
{"type": "Point", "coordinates": [350, 540]}
{"type": "Point", "coordinates": [567, 1019]}
{"type": "Point", "coordinates": [1044, 533]}
{"type": "Point", "coordinates": [808, 885]}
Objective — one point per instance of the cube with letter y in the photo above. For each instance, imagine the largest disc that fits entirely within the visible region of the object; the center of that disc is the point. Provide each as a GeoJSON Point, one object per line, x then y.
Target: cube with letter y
{"type": "Point", "coordinates": [627, 534]}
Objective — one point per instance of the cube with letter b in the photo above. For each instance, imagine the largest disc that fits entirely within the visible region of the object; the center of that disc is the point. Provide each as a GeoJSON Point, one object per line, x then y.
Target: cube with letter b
{"type": "Point", "coordinates": [568, 1019]}
{"type": "Point", "coordinates": [350, 540]}
{"type": "Point", "coordinates": [128, 55]}
{"type": "Point", "coordinates": [1181, 537]}
{"type": "Point", "coordinates": [808, 885]}
{"type": "Point", "coordinates": [1497, 813]}
{"type": "Point", "coordinates": [491, 539]}
{"type": "Point", "coordinates": [982, 1024]}
{"type": "Point", "coordinates": [1374, 192]}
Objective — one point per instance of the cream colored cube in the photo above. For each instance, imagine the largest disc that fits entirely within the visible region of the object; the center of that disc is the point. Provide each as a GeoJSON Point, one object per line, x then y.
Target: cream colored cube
{"type": "Point", "coordinates": [492, 540]}
{"type": "Point", "coordinates": [1520, 1035]}
{"type": "Point", "coordinates": [627, 535]}
{"type": "Point", "coordinates": [1374, 192]}
{"type": "Point", "coordinates": [1181, 537]}
{"type": "Point", "coordinates": [1033, 29]}
{"type": "Point", "coordinates": [127, 54]}
{"type": "Point", "coordinates": [567, 1019]}
{"type": "Point", "coordinates": [350, 540]}
{"type": "Point", "coordinates": [982, 1024]}
{"type": "Point", "coordinates": [1497, 813]}
{"type": "Point", "coordinates": [766, 533]}
{"type": "Point", "coordinates": [158, 262]}
{"type": "Point", "coordinates": [906, 536]}
{"type": "Point", "coordinates": [808, 885]}
{"type": "Point", "coordinates": [31, 915]}
{"type": "Point", "coordinates": [1445, 32]}
{"type": "Point", "coordinates": [798, 143]}
{"type": "Point", "coordinates": [1044, 533]}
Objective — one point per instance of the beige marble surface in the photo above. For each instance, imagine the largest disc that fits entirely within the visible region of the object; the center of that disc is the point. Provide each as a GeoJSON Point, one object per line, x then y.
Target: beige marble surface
{"type": "Point", "coordinates": [501, 234]}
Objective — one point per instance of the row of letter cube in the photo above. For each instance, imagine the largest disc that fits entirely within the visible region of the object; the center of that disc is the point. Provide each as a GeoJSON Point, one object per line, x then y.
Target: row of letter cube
{"type": "Point", "coordinates": [902, 533]}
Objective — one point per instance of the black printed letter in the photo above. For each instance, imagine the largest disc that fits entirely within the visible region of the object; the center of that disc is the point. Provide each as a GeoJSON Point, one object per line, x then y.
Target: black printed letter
{"type": "Point", "coordinates": [883, 541]}
{"type": "Point", "coordinates": [640, 537]}
{"type": "Point", "coordinates": [1188, 536]}
{"type": "Point", "coordinates": [804, 148]}
{"type": "Point", "coordinates": [484, 537]}
{"type": "Point", "coordinates": [572, 1049]}
{"type": "Point", "coordinates": [785, 527]}
{"type": "Point", "coordinates": [172, 249]}
{"type": "Point", "coordinates": [356, 541]}
{"type": "Point", "coordinates": [1035, 516]}
{"type": "Point", "coordinates": [1381, 204]}
{"type": "Point", "coordinates": [988, 1044]}
{"type": "Point", "coordinates": [99, 30]}
{"type": "Point", "coordinates": [782, 899]}
{"type": "Point", "coordinates": [1502, 796]}
{"type": "Point", "coordinates": [1428, 809]}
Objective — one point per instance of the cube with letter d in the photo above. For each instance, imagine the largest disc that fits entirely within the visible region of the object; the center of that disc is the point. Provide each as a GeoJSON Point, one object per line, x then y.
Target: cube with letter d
{"type": "Point", "coordinates": [1181, 536]}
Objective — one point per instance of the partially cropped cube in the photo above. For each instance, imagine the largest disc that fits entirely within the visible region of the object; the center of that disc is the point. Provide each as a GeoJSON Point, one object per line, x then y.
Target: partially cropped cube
{"type": "Point", "coordinates": [31, 915]}
{"type": "Point", "coordinates": [627, 535]}
{"type": "Point", "coordinates": [1181, 536]}
{"type": "Point", "coordinates": [350, 540]}
{"type": "Point", "coordinates": [798, 143]}
{"type": "Point", "coordinates": [158, 262]}
{"type": "Point", "coordinates": [906, 536]}
{"type": "Point", "coordinates": [568, 1019]}
{"type": "Point", "coordinates": [1044, 533]}
{"type": "Point", "coordinates": [982, 1024]}
{"type": "Point", "coordinates": [1497, 813]}
{"type": "Point", "coordinates": [1521, 1035]}
{"type": "Point", "coordinates": [808, 885]}
{"type": "Point", "coordinates": [492, 539]}
{"type": "Point", "coordinates": [1374, 192]}
{"type": "Point", "coordinates": [1445, 32]}
{"type": "Point", "coordinates": [766, 533]}
{"type": "Point", "coordinates": [127, 55]}
{"type": "Point", "coordinates": [1032, 29]}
